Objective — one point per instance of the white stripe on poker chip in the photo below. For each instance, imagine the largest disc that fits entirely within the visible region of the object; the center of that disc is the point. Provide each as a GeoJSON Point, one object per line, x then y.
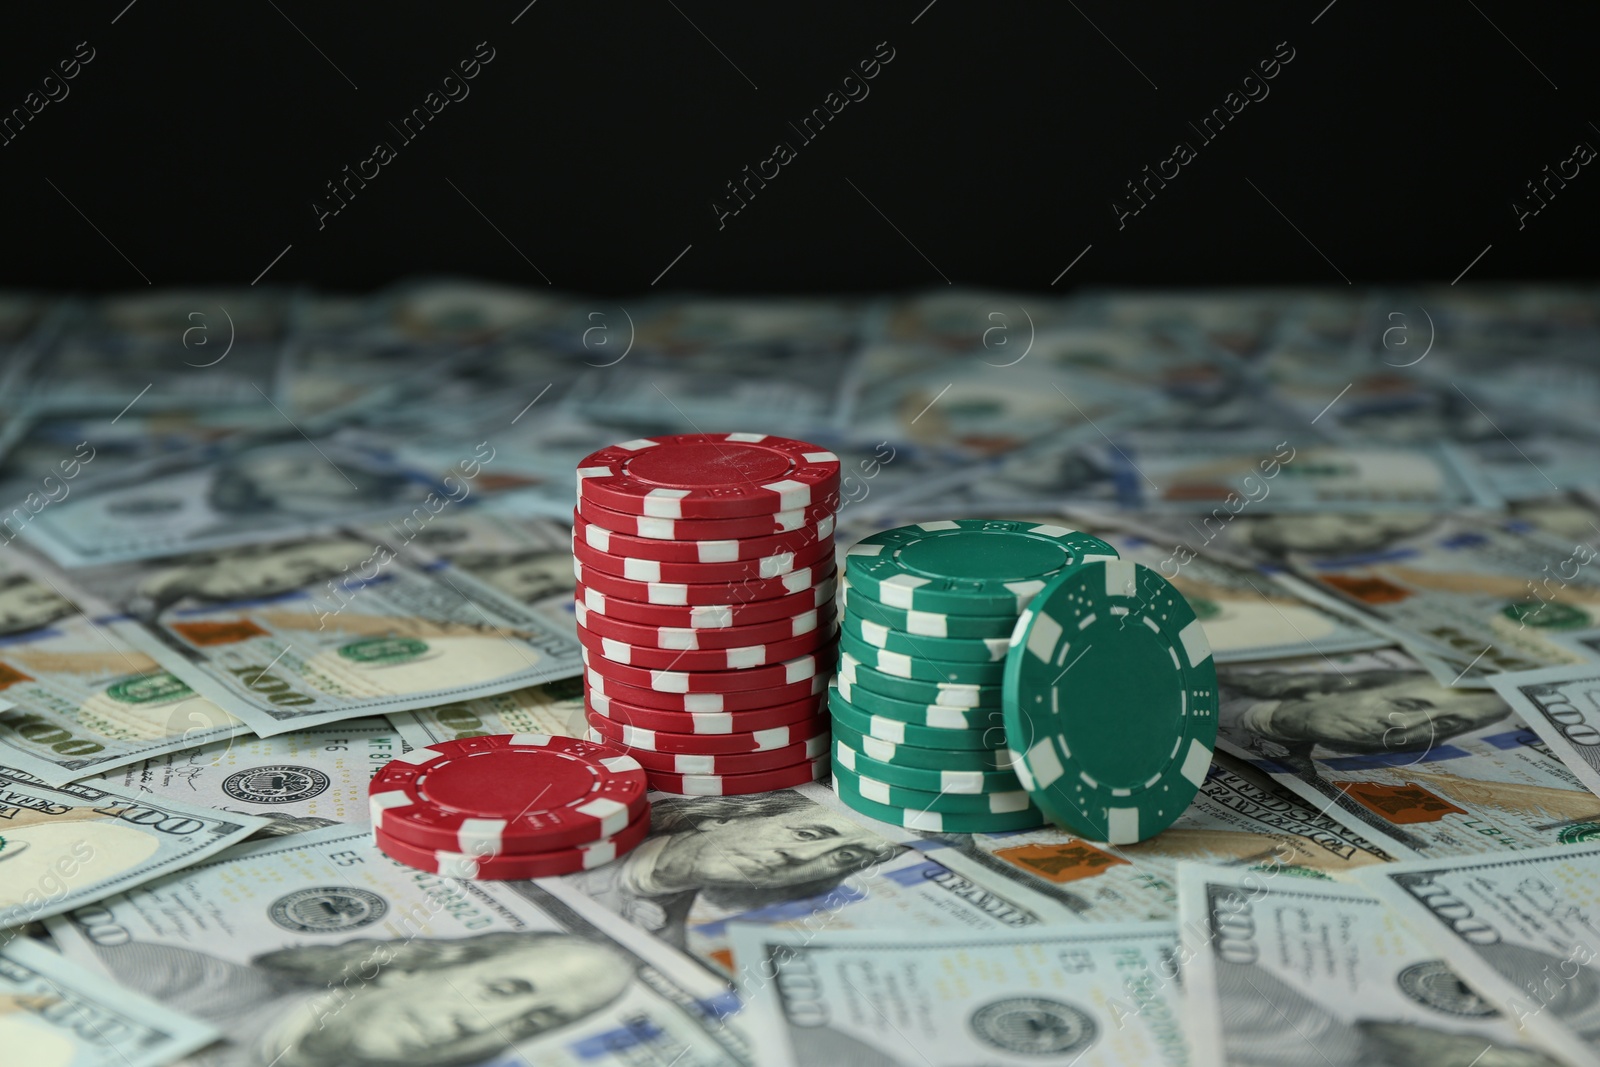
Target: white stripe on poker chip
{"type": "Point", "coordinates": [711, 616]}
{"type": "Point", "coordinates": [638, 737]}
{"type": "Point", "coordinates": [864, 550]}
{"type": "Point", "coordinates": [594, 601]}
{"type": "Point", "coordinates": [660, 529]}
{"type": "Point", "coordinates": [930, 821]}
{"type": "Point", "coordinates": [967, 783]}
{"type": "Point", "coordinates": [1043, 764]}
{"type": "Point", "coordinates": [612, 815]}
{"type": "Point", "coordinates": [1121, 578]}
{"type": "Point", "coordinates": [804, 623]}
{"type": "Point", "coordinates": [617, 650]}
{"type": "Point", "coordinates": [455, 865]}
{"type": "Point", "coordinates": [665, 503]}
{"type": "Point", "coordinates": [873, 790]}
{"type": "Point", "coordinates": [785, 521]}
{"type": "Point", "coordinates": [675, 594]}
{"type": "Point", "coordinates": [1122, 826]}
{"type": "Point", "coordinates": [874, 633]}
{"type": "Point", "coordinates": [1195, 644]}
{"type": "Point", "coordinates": [773, 737]}
{"type": "Point", "coordinates": [638, 444]}
{"type": "Point", "coordinates": [678, 638]}
{"type": "Point", "coordinates": [1197, 762]}
{"type": "Point", "coordinates": [599, 852]}
{"type": "Point", "coordinates": [687, 763]}
{"type": "Point", "coordinates": [942, 524]}
{"type": "Point", "coordinates": [791, 494]}
{"type": "Point", "coordinates": [669, 681]}
{"type": "Point", "coordinates": [946, 718]}
{"type": "Point", "coordinates": [888, 729]}
{"type": "Point", "coordinates": [620, 764]}
{"type": "Point", "coordinates": [597, 537]}
{"type": "Point", "coordinates": [952, 695]}
{"type": "Point", "coordinates": [797, 581]}
{"type": "Point", "coordinates": [378, 803]}
{"type": "Point", "coordinates": [1042, 638]}
{"type": "Point", "coordinates": [1049, 530]}
{"type": "Point", "coordinates": [799, 669]}
{"type": "Point", "coordinates": [601, 702]}
{"type": "Point", "coordinates": [772, 566]}
{"type": "Point", "coordinates": [480, 834]}
{"type": "Point", "coordinates": [594, 472]}
{"type": "Point", "coordinates": [897, 592]}
{"type": "Point", "coordinates": [531, 740]}
{"type": "Point", "coordinates": [706, 704]}
{"type": "Point", "coordinates": [895, 663]}
{"type": "Point", "coordinates": [716, 551]}
{"type": "Point", "coordinates": [1025, 591]}
{"type": "Point", "coordinates": [419, 756]}
{"type": "Point", "coordinates": [1010, 800]}
{"type": "Point", "coordinates": [747, 438]}
{"type": "Point", "coordinates": [641, 570]}
{"type": "Point", "coordinates": [751, 656]}
{"type": "Point", "coordinates": [879, 749]}
{"type": "Point", "coordinates": [819, 457]}
{"type": "Point", "coordinates": [845, 755]}
{"type": "Point", "coordinates": [927, 624]}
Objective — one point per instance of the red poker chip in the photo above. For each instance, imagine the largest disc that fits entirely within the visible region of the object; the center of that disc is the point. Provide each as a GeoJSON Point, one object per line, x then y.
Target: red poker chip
{"type": "Point", "coordinates": [820, 662]}
{"type": "Point", "coordinates": [700, 638]}
{"type": "Point", "coordinates": [709, 476]}
{"type": "Point", "coordinates": [636, 738]}
{"type": "Point", "coordinates": [507, 793]}
{"type": "Point", "coordinates": [684, 594]}
{"type": "Point", "coordinates": [740, 570]}
{"type": "Point", "coordinates": [735, 763]}
{"type": "Point", "coordinates": [706, 616]}
{"type": "Point", "coordinates": [726, 550]}
{"type": "Point", "coordinates": [704, 529]}
{"type": "Point", "coordinates": [706, 659]}
{"type": "Point", "coordinates": [701, 703]}
{"type": "Point", "coordinates": [722, 724]}
{"type": "Point", "coordinates": [727, 785]}
{"type": "Point", "coordinates": [516, 866]}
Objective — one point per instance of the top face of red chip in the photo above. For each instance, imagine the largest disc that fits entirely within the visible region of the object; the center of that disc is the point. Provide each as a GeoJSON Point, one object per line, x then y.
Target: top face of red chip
{"type": "Point", "coordinates": [508, 792]}
{"type": "Point", "coordinates": [704, 476]}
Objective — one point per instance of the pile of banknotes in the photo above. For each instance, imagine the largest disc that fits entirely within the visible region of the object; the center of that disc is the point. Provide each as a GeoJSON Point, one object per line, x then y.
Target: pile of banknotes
{"type": "Point", "coordinates": [256, 543]}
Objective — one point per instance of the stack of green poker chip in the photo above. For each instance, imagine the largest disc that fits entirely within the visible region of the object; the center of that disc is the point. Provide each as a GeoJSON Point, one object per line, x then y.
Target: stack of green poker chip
{"type": "Point", "coordinates": [918, 707]}
{"type": "Point", "coordinates": [1111, 701]}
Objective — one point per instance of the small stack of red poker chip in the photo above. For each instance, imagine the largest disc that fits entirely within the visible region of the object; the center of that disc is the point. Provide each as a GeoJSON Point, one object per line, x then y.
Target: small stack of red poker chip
{"type": "Point", "coordinates": [509, 806]}
{"type": "Point", "coordinates": [705, 606]}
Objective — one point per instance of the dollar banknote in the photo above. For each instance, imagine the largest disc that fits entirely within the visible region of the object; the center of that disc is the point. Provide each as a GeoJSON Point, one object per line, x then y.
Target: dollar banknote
{"type": "Point", "coordinates": [298, 781]}
{"type": "Point", "coordinates": [1095, 996]}
{"type": "Point", "coordinates": [80, 691]}
{"type": "Point", "coordinates": [316, 950]}
{"type": "Point", "coordinates": [1420, 769]}
{"type": "Point", "coordinates": [789, 859]}
{"type": "Point", "coordinates": [297, 633]}
{"type": "Point", "coordinates": [1280, 971]}
{"type": "Point", "coordinates": [1522, 928]}
{"type": "Point", "coordinates": [62, 847]}
{"type": "Point", "coordinates": [56, 1013]}
{"type": "Point", "coordinates": [552, 708]}
{"type": "Point", "coordinates": [1562, 705]}
{"type": "Point", "coordinates": [1239, 818]}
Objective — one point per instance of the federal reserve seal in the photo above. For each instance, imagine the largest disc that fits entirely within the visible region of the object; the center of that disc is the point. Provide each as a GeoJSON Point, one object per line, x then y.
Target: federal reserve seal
{"type": "Point", "coordinates": [1433, 984]}
{"type": "Point", "coordinates": [327, 909]}
{"type": "Point", "coordinates": [1034, 1026]}
{"type": "Point", "coordinates": [281, 783]}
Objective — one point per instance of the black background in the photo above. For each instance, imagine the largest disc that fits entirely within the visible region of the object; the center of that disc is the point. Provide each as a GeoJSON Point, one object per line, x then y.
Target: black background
{"type": "Point", "coordinates": [989, 151]}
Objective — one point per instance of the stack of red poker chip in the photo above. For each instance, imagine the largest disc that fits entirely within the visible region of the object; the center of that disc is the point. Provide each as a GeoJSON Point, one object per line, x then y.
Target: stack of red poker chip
{"type": "Point", "coordinates": [705, 606]}
{"type": "Point", "coordinates": [509, 806]}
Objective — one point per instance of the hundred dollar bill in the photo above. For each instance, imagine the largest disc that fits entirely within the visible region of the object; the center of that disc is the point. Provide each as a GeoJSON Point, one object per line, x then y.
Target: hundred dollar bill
{"type": "Point", "coordinates": [240, 490]}
{"type": "Point", "coordinates": [1421, 769]}
{"type": "Point", "coordinates": [1523, 929]}
{"type": "Point", "coordinates": [80, 692]}
{"type": "Point", "coordinates": [317, 951]}
{"type": "Point", "coordinates": [1093, 996]}
{"type": "Point", "coordinates": [313, 777]}
{"type": "Point", "coordinates": [551, 708]}
{"type": "Point", "coordinates": [1562, 704]}
{"type": "Point", "coordinates": [56, 1013]}
{"type": "Point", "coordinates": [62, 847]}
{"type": "Point", "coordinates": [787, 859]}
{"type": "Point", "coordinates": [1239, 818]}
{"type": "Point", "coordinates": [1282, 972]}
{"type": "Point", "coordinates": [288, 634]}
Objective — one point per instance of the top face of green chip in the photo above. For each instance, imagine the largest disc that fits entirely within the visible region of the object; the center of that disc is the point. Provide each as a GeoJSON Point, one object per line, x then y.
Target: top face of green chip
{"type": "Point", "coordinates": [1110, 701]}
{"type": "Point", "coordinates": [972, 566]}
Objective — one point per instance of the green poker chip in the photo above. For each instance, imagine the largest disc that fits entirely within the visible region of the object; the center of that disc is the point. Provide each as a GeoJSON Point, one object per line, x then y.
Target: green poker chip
{"type": "Point", "coordinates": [971, 566]}
{"type": "Point", "coordinates": [943, 694]}
{"type": "Point", "coordinates": [915, 757]}
{"type": "Point", "coordinates": [933, 821]}
{"type": "Point", "coordinates": [1111, 701]}
{"type": "Point", "coordinates": [987, 650]}
{"type": "Point", "coordinates": [1000, 802]}
{"type": "Point", "coordinates": [991, 736]}
{"type": "Point", "coordinates": [921, 714]}
{"type": "Point", "coordinates": [936, 624]}
{"type": "Point", "coordinates": [966, 783]}
{"type": "Point", "coordinates": [901, 665]}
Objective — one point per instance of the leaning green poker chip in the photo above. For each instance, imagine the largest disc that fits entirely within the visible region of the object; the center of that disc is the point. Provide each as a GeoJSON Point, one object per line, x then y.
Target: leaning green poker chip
{"type": "Point", "coordinates": [972, 566]}
{"type": "Point", "coordinates": [943, 649]}
{"type": "Point", "coordinates": [904, 665]}
{"type": "Point", "coordinates": [921, 714]}
{"type": "Point", "coordinates": [1006, 802]}
{"type": "Point", "coordinates": [904, 733]}
{"type": "Point", "coordinates": [943, 694]}
{"type": "Point", "coordinates": [1111, 701]}
{"type": "Point", "coordinates": [919, 758]}
{"type": "Point", "coordinates": [968, 783]}
{"type": "Point", "coordinates": [924, 623]}
{"type": "Point", "coordinates": [934, 821]}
